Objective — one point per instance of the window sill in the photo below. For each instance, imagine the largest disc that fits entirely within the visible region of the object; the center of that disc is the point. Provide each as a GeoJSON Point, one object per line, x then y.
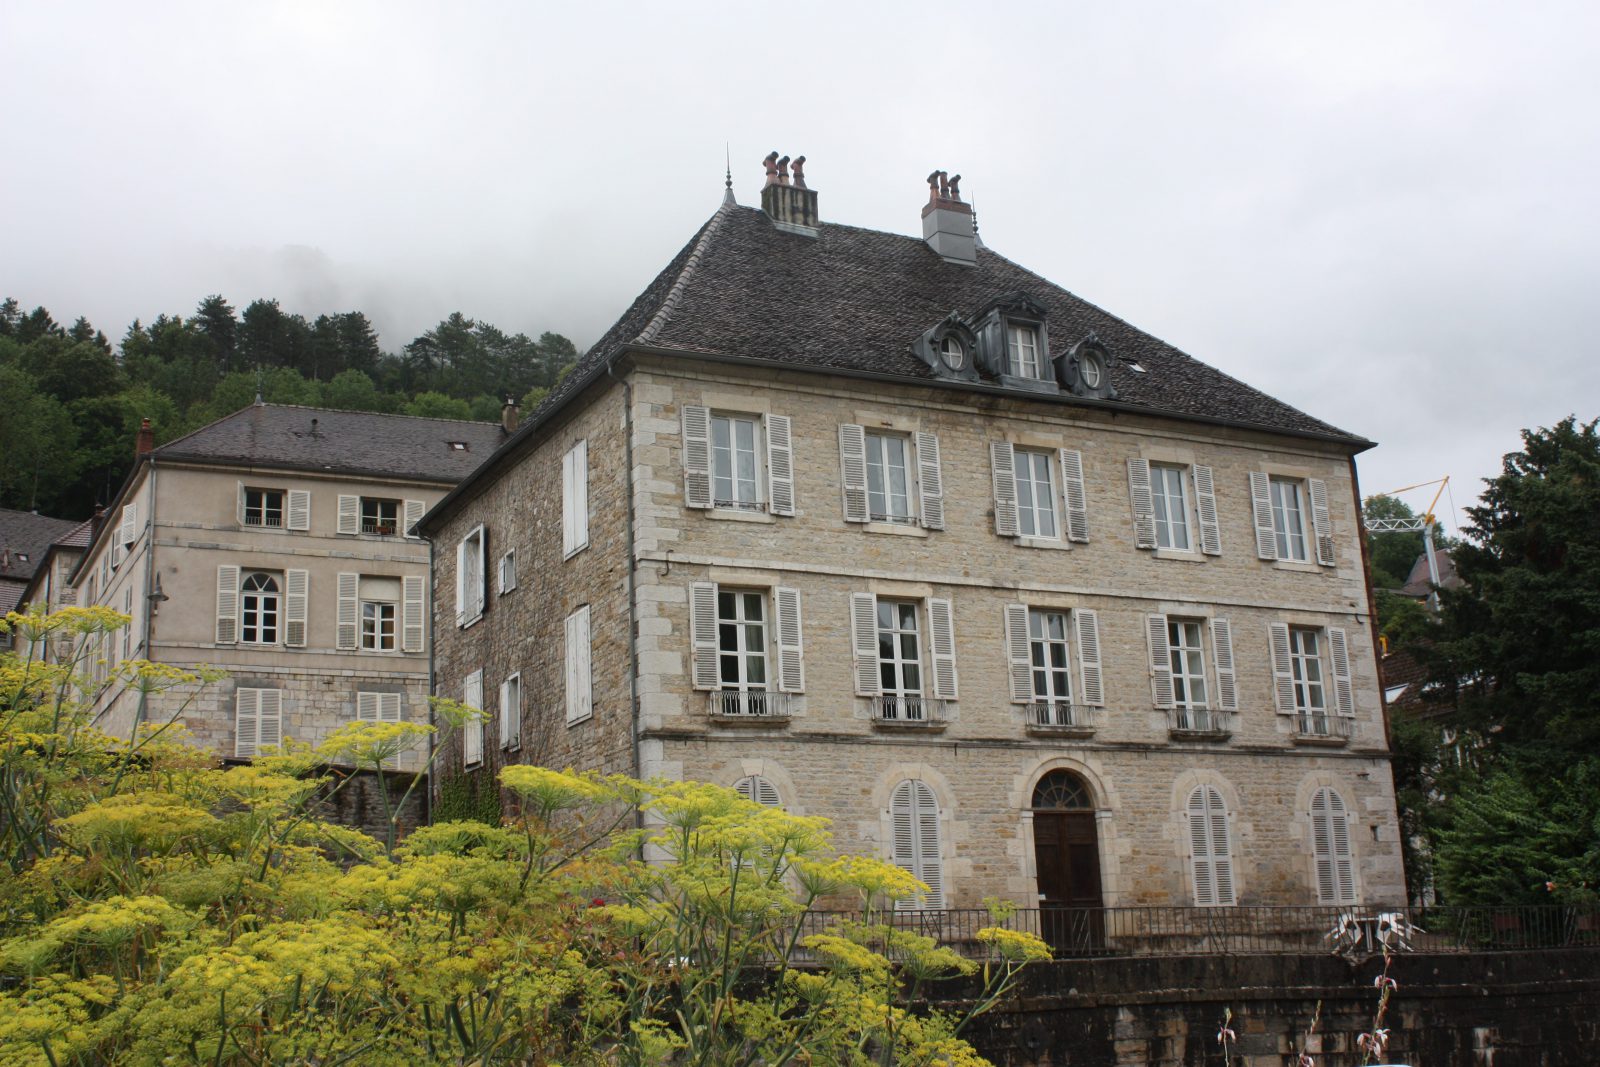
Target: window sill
{"type": "Point", "coordinates": [914, 726]}
{"type": "Point", "coordinates": [1176, 734]}
{"type": "Point", "coordinates": [1053, 543]}
{"type": "Point", "coordinates": [573, 551]}
{"type": "Point", "coordinates": [894, 529]}
{"type": "Point", "coordinates": [1037, 729]}
{"type": "Point", "coordinates": [1032, 385]}
{"type": "Point", "coordinates": [467, 624]}
{"type": "Point", "coordinates": [581, 720]}
{"type": "Point", "coordinates": [1298, 565]}
{"type": "Point", "coordinates": [739, 515]}
{"type": "Point", "coordinates": [1321, 740]}
{"type": "Point", "coordinates": [749, 720]}
{"type": "Point", "coordinates": [1185, 555]}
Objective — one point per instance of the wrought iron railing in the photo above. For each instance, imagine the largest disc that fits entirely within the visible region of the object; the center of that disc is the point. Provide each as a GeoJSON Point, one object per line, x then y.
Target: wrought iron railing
{"type": "Point", "coordinates": [1199, 721]}
{"type": "Point", "coordinates": [1321, 726]}
{"type": "Point", "coordinates": [1251, 930]}
{"type": "Point", "coordinates": [1050, 714]}
{"type": "Point", "coordinates": [907, 710]}
{"type": "Point", "coordinates": [748, 704]}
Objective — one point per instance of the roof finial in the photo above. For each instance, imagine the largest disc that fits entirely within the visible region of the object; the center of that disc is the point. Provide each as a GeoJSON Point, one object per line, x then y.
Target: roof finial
{"type": "Point", "coordinates": [727, 181]}
{"type": "Point", "coordinates": [258, 384]}
{"type": "Point", "coordinates": [977, 240]}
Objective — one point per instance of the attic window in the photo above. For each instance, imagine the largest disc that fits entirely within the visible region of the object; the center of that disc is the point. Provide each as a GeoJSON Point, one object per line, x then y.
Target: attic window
{"type": "Point", "coordinates": [458, 446]}
{"type": "Point", "coordinates": [1137, 368]}
{"type": "Point", "coordinates": [953, 352]}
{"type": "Point", "coordinates": [23, 556]}
{"type": "Point", "coordinates": [1022, 351]}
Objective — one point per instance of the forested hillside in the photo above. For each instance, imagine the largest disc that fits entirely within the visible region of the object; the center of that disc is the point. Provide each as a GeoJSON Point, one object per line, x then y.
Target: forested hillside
{"type": "Point", "coordinates": [71, 401]}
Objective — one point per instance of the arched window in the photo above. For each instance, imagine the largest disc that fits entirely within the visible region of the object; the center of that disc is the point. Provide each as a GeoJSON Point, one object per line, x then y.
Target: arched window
{"type": "Point", "coordinates": [259, 609]}
{"type": "Point", "coordinates": [1330, 849]}
{"type": "Point", "coordinates": [914, 812]}
{"type": "Point", "coordinates": [1209, 858]}
{"type": "Point", "coordinates": [1062, 791]}
{"type": "Point", "coordinates": [759, 789]}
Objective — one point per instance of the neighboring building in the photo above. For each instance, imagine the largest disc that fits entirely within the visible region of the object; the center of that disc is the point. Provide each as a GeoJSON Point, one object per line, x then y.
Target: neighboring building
{"type": "Point", "coordinates": [897, 532]}
{"type": "Point", "coordinates": [1419, 583]}
{"type": "Point", "coordinates": [26, 539]}
{"type": "Point", "coordinates": [276, 543]}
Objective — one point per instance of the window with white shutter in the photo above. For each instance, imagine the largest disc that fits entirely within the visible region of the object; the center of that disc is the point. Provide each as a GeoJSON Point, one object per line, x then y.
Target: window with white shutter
{"type": "Point", "coordinates": [853, 472]}
{"type": "Point", "coordinates": [1160, 660]}
{"type": "Point", "coordinates": [415, 509]}
{"type": "Point", "coordinates": [472, 731]}
{"type": "Point", "coordinates": [756, 788]}
{"type": "Point", "coordinates": [1321, 521]}
{"type": "Point", "coordinates": [703, 635]}
{"type": "Point", "coordinates": [1205, 502]}
{"type": "Point", "coordinates": [1139, 492]}
{"type": "Point", "coordinates": [696, 424]}
{"type": "Point", "coordinates": [258, 721]}
{"type": "Point", "coordinates": [508, 573]}
{"type": "Point", "coordinates": [780, 465]}
{"type": "Point", "coordinates": [1003, 470]}
{"type": "Point", "coordinates": [1330, 849]}
{"type": "Point", "coordinates": [413, 619]}
{"type": "Point", "coordinates": [347, 626]}
{"type": "Point", "coordinates": [378, 707]}
{"type": "Point", "coordinates": [791, 651]}
{"type": "Point", "coordinates": [471, 554]}
{"type": "Point", "coordinates": [299, 509]}
{"type": "Point", "coordinates": [1074, 496]}
{"type": "Point", "coordinates": [1344, 702]}
{"type": "Point", "coordinates": [942, 643]}
{"type": "Point", "coordinates": [1088, 625]}
{"type": "Point", "coordinates": [575, 499]}
{"type": "Point", "coordinates": [1222, 656]}
{"type": "Point", "coordinates": [227, 604]}
{"type": "Point", "coordinates": [1210, 859]}
{"type": "Point", "coordinates": [916, 841]}
{"type": "Point", "coordinates": [864, 642]}
{"type": "Point", "coordinates": [1261, 509]}
{"type": "Point", "coordinates": [349, 521]}
{"type": "Point", "coordinates": [580, 695]}
{"type": "Point", "coordinates": [511, 713]}
{"type": "Point", "coordinates": [930, 480]}
{"type": "Point", "coordinates": [297, 593]}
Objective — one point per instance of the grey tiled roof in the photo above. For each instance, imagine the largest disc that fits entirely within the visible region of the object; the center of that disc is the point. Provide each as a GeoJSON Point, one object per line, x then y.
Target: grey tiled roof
{"type": "Point", "coordinates": [22, 533]}
{"type": "Point", "coordinates": [345, 442]}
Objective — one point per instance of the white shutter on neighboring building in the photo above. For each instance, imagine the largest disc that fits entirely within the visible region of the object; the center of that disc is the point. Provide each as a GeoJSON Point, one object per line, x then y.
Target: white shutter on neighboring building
{"type": "Point", "coordinates": [780, 465]}
{"type": "Point", "coordinates": [1344, 699]}
{"type": "Point", "coordinates": [1160, 660]}
{"type": "Point", "coordinates": [413, 613]}
{"type": "Point", "coordinates": [472, 732]}
{"type": "Point", "coordinates": [1282, 667]}
{"type": "Point", "coordinates": [349, 514]}
{"type": "Point", "coordinates": [347, 620]}
{"type": "Point", "coordinates": [270, 726]}
{"type": "Point", "coordinates": [853, 471]}
{"type": "Point", "coordinates": [1088, 623]}
{"type": "Point", "coordinates": [378, 707]}
{"type": "Point", "coordinates": [1261, 506]}
{"type": "Point", "coordinates": [246, 721]}
{"type": "Point", "coordinates": [511, 713]}
{"type": "Point", "coordinates": [758, 789]}
{"type": "Point", "coordinates": [1321, 521]}
{"type": "Point", "coordinates": [299, 510]}
{"type": "Point", "coordinates": [703, 635]}
{"type": "Point", "coordinates": [1019, 653]}
{"type": "Point", "coordinates": [914, 823]}
{"type": "Point", "coordinates": [1210, 858]}
{"type": "Point", "coordinates": [1003, 466]}
{"type": "Point", "coordinates": [227, 605]}
{"type": "Point", "coordinates": [1205, 502]}
{"type": "Point", "coordinates": [1144, 507]}
{"type": "Point", "coordinates": [1074, 495]}
{"type": "Point", "coordinates": [580, 695]}
{"type": "Point", "coordinates": [791, 651]}
{"type": "Point", "coordinates": [930, 481]}
{"type": "Point", "coordinates": [1222, 654]}
{"type": "Point", "coordinates": [864, 639]}
{"type": "Point", "coordinates": [942, 641]}
{"type": "Point", "coordinates": [461, 582]}
{"type": "Point", "coordinates": [415, 509]}
{"type": "Point", "coordinates": [297, 593]}
{"type": "Point", "coordinates": [574, 499]}
{"type": "Point", "coordinates": [696, 423]}
{"type": "Point", "coordinates": [1330, 849]}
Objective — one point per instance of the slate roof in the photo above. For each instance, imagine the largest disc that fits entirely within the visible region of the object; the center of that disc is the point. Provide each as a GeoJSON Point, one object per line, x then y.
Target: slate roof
{"type": "Point", "coordinates": [23, 533]}
{"type": "Point", "coordinates": [344, 442]}
{"type": "Point", "coordinates": [1419, 583]}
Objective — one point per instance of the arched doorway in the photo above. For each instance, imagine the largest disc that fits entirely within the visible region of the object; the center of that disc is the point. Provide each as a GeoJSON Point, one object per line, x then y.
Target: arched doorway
{"type": "Point", "coordinates": [1066, 851]}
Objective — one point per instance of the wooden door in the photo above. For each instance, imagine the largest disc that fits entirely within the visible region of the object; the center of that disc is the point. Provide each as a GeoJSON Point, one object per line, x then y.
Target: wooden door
{"type": "Point", "coordinates": [1067, 857]}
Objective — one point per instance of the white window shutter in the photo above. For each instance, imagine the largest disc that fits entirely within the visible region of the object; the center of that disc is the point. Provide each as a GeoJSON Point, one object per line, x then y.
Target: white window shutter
{"type": "Point", "coordinates": [574, 499]}
{"type": "Point", "coordinates": [1205, 502]}
{"type": "Point", "coordinates": [239, 503]}
{"type": "Point", "coordinates": [1343, 686]}
{"type": "Point", "coordinates": [580, 696]}
{"type": "Point", "coordinates": [389, 707]}
{"type": "Point", "coordinates": [1160, 660]}
{"type": "Point", "coordinates": [1144, 508]}
{"type": "Point", "coordinates": [915, 845]}
{"type": "Point", "coordinates": [758, 789]}
{"type": "Point", "coordinates": [511, 713]}
{"type": "Point", "coordinates": [269, 729]}
{"type": "Point", "coordinates": [349, 514]}
{"type": "Point", "coordinates": [696, 456]}
{"type": "Point", "coordinates": [1261, 504]}
{"type": "Point", "coordinates": [227, 604]}
{"type": "Point", "coordinates": [1209, 848]}
{"type": "Point", "coordinates": [130, 522]}
{"type": "Point", "coordinates": [1074, 495]}
{"type": "Point", "coordinates": [1343, 862]}
{"type": "Point", "coordinates": [942, 634]}
{"type": "Point", "coordinates": [1018, 653]}
{"type": "Point", "coordinates": [930, 481]}
{"type": "Point", "coordinates": [299, 508]}
{"type": "Point", "coordinates": [478, 578]}
{"type": "Point", "coordinates": [864, 639]}
{"type": "Point", "coordinates": [853, 471]}
{"type": "Point", "coordinates": [791, 650]}
{"type": "Point", "coordinates": [1330, 849]}
{"type": "Point", "coordinates": [472, 732]}
{"type": "Point", "coordinates": [1321, 521]}
{"type": "Point", "coordinates": [367, 707]}
{"type": "Point", "coordinates": [1222, 654]}
{"type": "Point", "coordinates": [780, 465]}
{"type": "Point", "coordinates": [707, 672]}
{"type": "Point", "coordinates": [414, 510]}
{"type": "Point", "coordinates": [1003, 466]}
{"type": "Point", "coordinates": [1088, 623]}
{"type": "Point", "coordinates": [1282, 668]}
{"type": "Point", "coordinates": [461, 582]}
{"type": "Point", "coordinates": [348, 622]}
{"type": "Point", "coordinates": [246, 721]}
{"type": "Point", "coordinates": [413, 612]}
{"type": "Point", "coordinates": [297, 593]}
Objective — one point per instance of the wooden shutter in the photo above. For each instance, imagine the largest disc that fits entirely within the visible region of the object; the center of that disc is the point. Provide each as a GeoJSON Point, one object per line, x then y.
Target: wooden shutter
{"type": "Point", "coordinates": [1019, 653]}
{"type": "Point", "coordinates": [1211, 859]}
{"type": "Point", "coordinates": [511, 712]}
{"type": "Point", "coordinates": [696, 456]}
{"type": "Point", "coordinates": [461, 580]}
{"type": "Point", "coordinates": [758, 789]}
{"type": "Point", "coordinates": [1222, 654]}
{"type": "Point", "coordinates": [297, 592]}
{"type": "Point", "coordinates": [1343, 687]}
{"type": "Point", "coordinates": [367, 707]}
{"type": "Point", "coordinates": [349, 514]}
{"type": "Point", "coordinates": [389, 707]}
{"type": "Point", "coordinates": [1160, 660]}
{"type": "Point", "coordinates": [348, 621]}
{"type": "Point", "coordinates": [227, 604]}
{"type": "Point", "coordinates": [942, 640]}
{"type": "Point", "coordinates": [930, 481]}
{"type": "Point", "coordinates": [914, 818]}
{"type": "Point", "coordinates": [1205, 502]}
{"type": "Point", "coordinates": [415, 509]}
{"type": "Point", "coordinates": [1074, 496]}
{"type": "Point", "coordinates": [126, 530]}
{"type": "Point", "coordinates": [1282, 668]}
{"type": "Point", "coordinates": [413, 612]}
{"type": "Point", "coordinates": [1321, 521]}
{"type": "Point", "coordinates": [269, 727]}
{"type": "Point", "coordinates": [703, 634]}
{"type": "Point", "coordinates": [1261, 504]}
{"type": "Point", "coordinates": [299, 509]}
{"type": "Point", "coordinates": [1144, 507]}
{"type": "Point", "coordinates": [1003, 467]}
{"type": "Point", "coordinates": [853, 471]}
{"type": "Point", "coordinates": [574, 498]}
{"type": "Point", "coordinates": [864, 639]}
{"type": "Point", "coordinates": [246, 721]}
{"type": "Point", "coordinates": [472, 732]}
{"type": "Point", "coordinates": [580, 695]}
{"type": "Point", "coordinates": [791, 652]}
{"type": "Point", "coordinates": [1088, 623]}
{"type": "Point", "coordinates": [780, 465]}
{"type": "Point", "coordinates": [1330, 849]}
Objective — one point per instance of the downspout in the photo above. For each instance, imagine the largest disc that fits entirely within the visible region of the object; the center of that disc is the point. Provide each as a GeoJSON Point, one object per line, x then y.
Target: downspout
{"type": "Point", "coordinates": [149, 598]}
{"type": "Point", "coordinates": [633, 622]}
{"type": "Point", "coordinates": [427, 794]}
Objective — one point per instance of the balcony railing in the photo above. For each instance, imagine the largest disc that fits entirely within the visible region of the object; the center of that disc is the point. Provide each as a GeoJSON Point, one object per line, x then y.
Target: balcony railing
{"type": "Point", "coordinates": [902, 710]}
{"type": "Point", "coordinates": [1321, 728]}
{"type": "Point", "coordinates": [385, 529]}
{"type": "Point", "coordinates": [748, 704]}
{"type": "Point", "coordinates": [1059, 717]}
{"type": "Point", "coordinates": [1199, 724]}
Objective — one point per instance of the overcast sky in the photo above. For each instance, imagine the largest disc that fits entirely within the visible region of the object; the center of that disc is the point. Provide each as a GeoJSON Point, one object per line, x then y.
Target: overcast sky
{"type": "Point", "coordinates": [1384, 214]}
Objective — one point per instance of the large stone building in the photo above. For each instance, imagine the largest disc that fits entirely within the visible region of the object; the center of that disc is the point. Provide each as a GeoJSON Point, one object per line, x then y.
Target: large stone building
{"type": "Point", "coordinates": [276, 543]}
{"type": "Point", "coordinates": [894, 531]}
{"type": "Point", "coordinates": [27, 543]}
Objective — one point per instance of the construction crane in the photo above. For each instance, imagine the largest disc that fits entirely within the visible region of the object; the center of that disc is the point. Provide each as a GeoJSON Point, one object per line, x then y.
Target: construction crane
{"type": "Point", "coordinates": [1423, 523]}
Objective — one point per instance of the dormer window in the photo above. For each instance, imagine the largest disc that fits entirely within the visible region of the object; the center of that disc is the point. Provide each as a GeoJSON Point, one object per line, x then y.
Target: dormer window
{"type": "Point", "coordinates": [1023, 357]}
{"type": "Point", "coordinates": [952, 352]}
{"type": "Point", "coordinates": [1086, 369]}
{"type": "Point", "coordinates": [948, 349]}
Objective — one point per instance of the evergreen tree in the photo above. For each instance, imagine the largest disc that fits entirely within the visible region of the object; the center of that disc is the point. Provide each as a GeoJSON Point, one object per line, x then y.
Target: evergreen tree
{"type": "Point", "coordinates": [215, 321]}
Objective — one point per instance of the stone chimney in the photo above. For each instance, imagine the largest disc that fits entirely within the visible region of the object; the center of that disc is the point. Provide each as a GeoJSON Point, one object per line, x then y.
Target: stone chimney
{"type": "Point", "coordinates": [508, 416]}
{"type": "Point", "coordinates": [947, 222]}
{"type": "Point", "coordinates": [786, 200]}
{"type": "Point", "coordinates": [145, 441]}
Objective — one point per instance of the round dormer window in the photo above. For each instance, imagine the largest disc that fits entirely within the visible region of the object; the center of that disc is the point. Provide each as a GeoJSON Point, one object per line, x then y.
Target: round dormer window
{"type": "Point", "coordinates": [1089, 366]}
{"type": "Point", "coordinates": [952, 352]}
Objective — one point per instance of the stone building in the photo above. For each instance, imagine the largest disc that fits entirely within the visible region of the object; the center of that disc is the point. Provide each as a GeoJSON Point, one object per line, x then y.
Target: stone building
{"type": "Point", "coordinates": [27, 551]}
{"type": "Point", "coordinates": [894, 531]}
{"type": "Point", "coordinates": [276, 543]}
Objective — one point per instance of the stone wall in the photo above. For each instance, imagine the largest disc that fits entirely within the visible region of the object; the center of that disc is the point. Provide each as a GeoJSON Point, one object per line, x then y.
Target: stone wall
{"type": "Point", "coordinates": [359, 804]}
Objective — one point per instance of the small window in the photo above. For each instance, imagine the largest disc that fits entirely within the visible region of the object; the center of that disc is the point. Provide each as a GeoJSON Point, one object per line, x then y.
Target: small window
{"type": "Point", "coordinates": [458, 446]}
{"type": "Point", "coordinates": [1036, 495]}
{"type": "Point", "coordinates": [899, 661]}
{"type": "Point", "coordinates": [263, 507]}
{"type": "Point", "coordinates": [377, 626]}
{"type": "Point", "coordinates": [1023, 357]}
{"type": "Point", "coordinates": [1171, 503]}
{"type": "Point", "coordinates": [736, 462]}
{"type": "Point", "coordinates": [889, 485]}
{"type": "Point", "coordinates": [259, 609]}
{"type": "Point", "coordinates": [1186, 648]}
{"type": "Point", "coordinates": [1310, 695]}
{"type": "Point", "coordinates": [742, 652]}
{"type": "Point", "coordinates": [380, 516]}
{"type": "Point", "coordinates": [1289, 518]}
{"type": "Point", "coordinates": [508, 572]}
{"type": "Point", "coordinates": [1050, 658]}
